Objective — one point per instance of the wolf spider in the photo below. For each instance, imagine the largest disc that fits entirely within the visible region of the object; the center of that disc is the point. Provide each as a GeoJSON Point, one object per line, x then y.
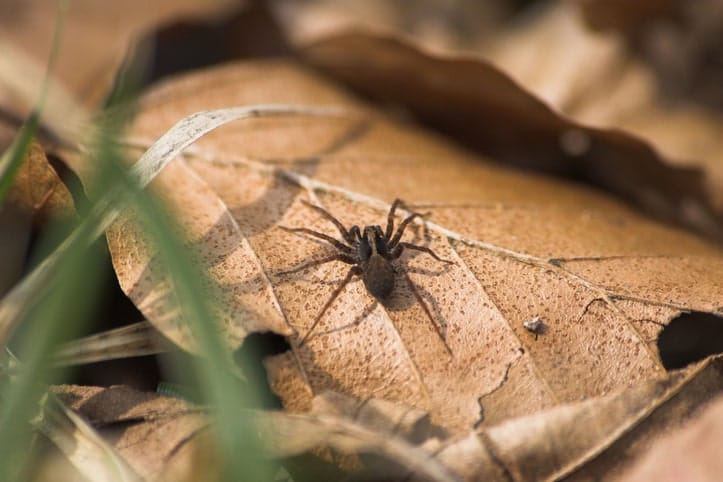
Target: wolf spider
{"type": "Point", "coordinates": [370, 253]}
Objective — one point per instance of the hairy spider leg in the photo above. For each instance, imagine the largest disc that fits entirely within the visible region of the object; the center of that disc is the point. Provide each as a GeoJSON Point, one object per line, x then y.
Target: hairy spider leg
{"type": "Point", "coordinates": [334, 257]}
{"type": "Point", "coordinates": [335, 242]}
{"type": "Point", "coordinates": [400, 230]}
{"type": "Point", "coordinates": [420, 300]}
{"type": "Point", "coordinates": [353, 271]}
{"type": "Point", "coordinates": [344, 233]}
{"type": "Point", "coordinates": [390, 219]}
{"type": "Point", "coordinates": [401, 246]}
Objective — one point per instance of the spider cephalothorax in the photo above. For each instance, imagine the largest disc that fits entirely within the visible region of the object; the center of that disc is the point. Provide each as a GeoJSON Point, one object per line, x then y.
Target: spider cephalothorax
{"type": "Point", "coordinates": [370, 252]}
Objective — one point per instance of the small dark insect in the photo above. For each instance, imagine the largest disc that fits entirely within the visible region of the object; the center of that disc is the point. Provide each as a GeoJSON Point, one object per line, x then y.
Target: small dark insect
{"type": "Point", "coordinates": [535, 326]}
{"type": "Point", "coordinates": [370, 252]}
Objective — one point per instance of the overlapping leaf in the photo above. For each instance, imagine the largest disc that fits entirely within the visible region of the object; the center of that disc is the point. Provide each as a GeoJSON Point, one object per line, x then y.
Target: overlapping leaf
{"type": "Point", "coordinates": [603, 279]}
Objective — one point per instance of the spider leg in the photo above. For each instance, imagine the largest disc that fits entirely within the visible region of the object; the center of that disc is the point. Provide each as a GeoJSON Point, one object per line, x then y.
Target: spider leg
{"type": "Point", "coordinates": [334, 257]}
{"type": "Point", "coordinates": [402, 226]}
{"type": "Point", "coordinates": [344, 233]}
{"type": "Point", "coordinates": [390, 218]}
{"type": "Point", "coordinates": [335, 242]}
{"type": "Point", "coordinates": [355, 233]}
{"type": "Point", "coordinates": [354, 270]}
{"type": "Point", "coordinates": [420, 300]}
{"type": "Point", "coordinates": [400, 247]}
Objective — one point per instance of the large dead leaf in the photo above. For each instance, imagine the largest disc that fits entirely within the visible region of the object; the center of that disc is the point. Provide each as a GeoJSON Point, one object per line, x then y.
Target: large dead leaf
{"type": "Point", "coordinates": [603, 279]}
{"type": "Point", "coordinates": [558, 129]}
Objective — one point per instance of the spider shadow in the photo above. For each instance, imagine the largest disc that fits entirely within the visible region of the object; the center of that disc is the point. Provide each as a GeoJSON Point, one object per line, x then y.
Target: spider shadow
{"type": "Point", "coordinates": [278, 198]}
{"type": "Point", "coordinates": [358, 320]}
{"type": "Point", "coordinates": [408, 299]}
{"type": "Point", "coordinates": [401, 300]}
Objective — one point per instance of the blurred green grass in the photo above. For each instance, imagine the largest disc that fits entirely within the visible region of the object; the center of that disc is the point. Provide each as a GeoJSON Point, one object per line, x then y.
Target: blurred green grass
{"type": "Point", "coordinates": [64, 288]}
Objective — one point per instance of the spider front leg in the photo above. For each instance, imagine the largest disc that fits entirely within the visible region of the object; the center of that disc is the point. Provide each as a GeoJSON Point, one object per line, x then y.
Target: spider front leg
{"type": "Point", "coordinates": [353, 271]}
{"type": "Point", "coordinates": [344, 233]}
{"type": "Point", "coordinates": [334, 257]}
{"type": "Point", "coordinates": [390, 218]}
{"type": "Point", "coordinates": [402, 226]}
{"type": "Point", "coordinates": [334, 242]}
{"type": "Point", "coordinates": [401, 246]}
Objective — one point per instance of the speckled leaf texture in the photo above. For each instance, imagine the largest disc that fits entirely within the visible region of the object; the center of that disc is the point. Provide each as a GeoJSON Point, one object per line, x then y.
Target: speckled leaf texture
{"type": "Point", "coordinates": [602, 278]}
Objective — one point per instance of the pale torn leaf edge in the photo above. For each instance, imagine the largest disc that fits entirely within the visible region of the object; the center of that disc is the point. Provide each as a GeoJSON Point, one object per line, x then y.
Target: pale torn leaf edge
{"type": "Point", "coordinates": [81, 444]}
{"type": "Point", "coordinates": [106, 210]}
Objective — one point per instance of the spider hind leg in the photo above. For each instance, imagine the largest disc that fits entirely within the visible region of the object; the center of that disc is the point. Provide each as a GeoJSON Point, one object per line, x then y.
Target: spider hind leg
{"type": "Point", "coordinates": [353, 271]}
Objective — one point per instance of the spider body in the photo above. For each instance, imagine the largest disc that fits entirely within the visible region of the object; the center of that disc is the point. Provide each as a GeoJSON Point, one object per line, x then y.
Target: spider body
{"type": "Point", "coordinates": [370, 252]}
{"type": "Point", "coordinates": [377, 269]}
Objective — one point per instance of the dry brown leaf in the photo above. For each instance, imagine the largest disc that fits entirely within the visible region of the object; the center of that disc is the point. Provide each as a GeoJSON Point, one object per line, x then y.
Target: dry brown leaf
{"type": "Point", "coordinates": [81, 445]}
{"type": "Point", "coordinates": [589, 440]}
{"type": "Point", "coordinates": [165, 438]}
{"type": "Point", "coordinates": [136, 339]}
{"type": "Point", "coordinates": [473, 102]}
{"type": "Point", "coordinates": [38, 189]}
{"type": "Point", "coordinates": [144, 428]}
{"type": "Point", "coordinates": [691, 454]}
{"type": "Point", "coordinates": [595, 79]}
{"type": "Point", "coordinates": [162, 438]}
{"type": "Point", "coordinates": [603, 279]}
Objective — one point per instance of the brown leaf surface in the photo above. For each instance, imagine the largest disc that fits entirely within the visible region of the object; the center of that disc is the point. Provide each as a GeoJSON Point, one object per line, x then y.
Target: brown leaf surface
{"type": "Point", "coordinates": [168, 439]}
{"type": "Point", "coordinates": [691, 454]}
{"type": "Point", "coordinates": [603, 279]}
{"type": "Point", "coordinates": [38, 189]}
{"type": "Point", "coordinates": [145, 428]}
{"type": "Point", "coordinates": [588, 440]}
{"type": "Point", "coordinates": [595, 78]}
{"type": "Point", "coordinates": [566, 101]}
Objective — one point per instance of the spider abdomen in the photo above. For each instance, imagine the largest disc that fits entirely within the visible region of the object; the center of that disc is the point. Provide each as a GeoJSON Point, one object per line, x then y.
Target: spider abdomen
{"type": "Point", "coordinates": [378, 276]}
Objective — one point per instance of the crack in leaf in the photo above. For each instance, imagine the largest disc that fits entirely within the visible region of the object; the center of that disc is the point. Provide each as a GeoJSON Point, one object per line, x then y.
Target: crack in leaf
{"type": "Point", "coordinates": [504, 379]}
